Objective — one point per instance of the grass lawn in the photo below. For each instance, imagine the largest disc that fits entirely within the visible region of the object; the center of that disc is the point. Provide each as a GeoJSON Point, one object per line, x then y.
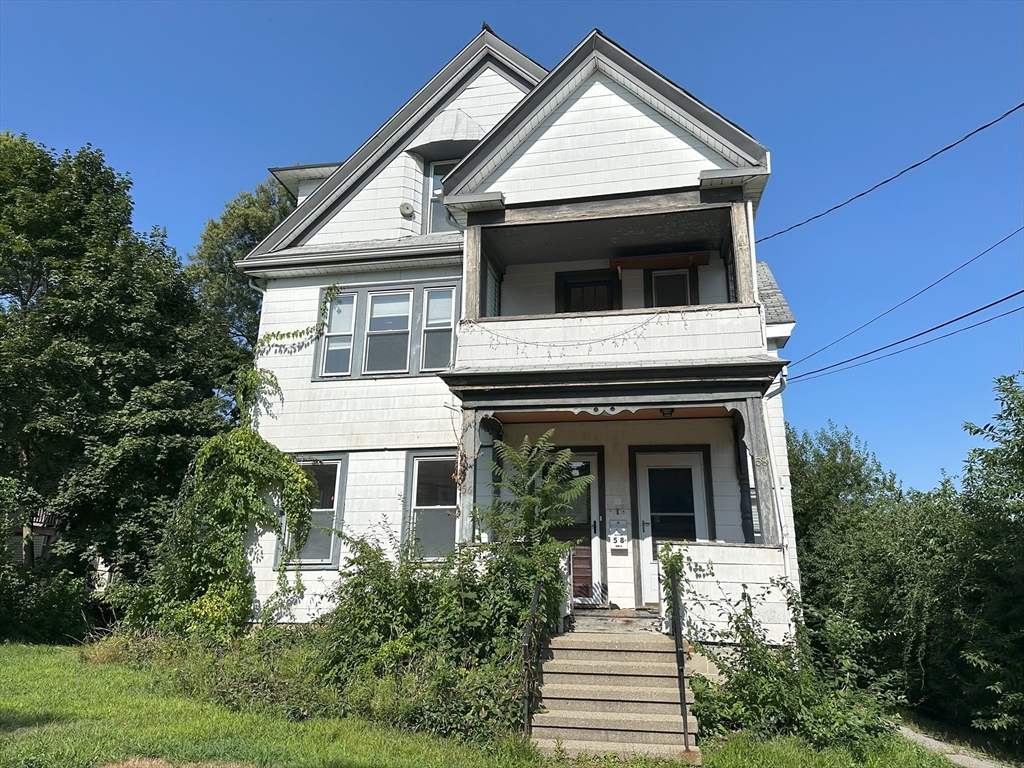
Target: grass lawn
{"type": "Point", "coordinates": [57, 711]}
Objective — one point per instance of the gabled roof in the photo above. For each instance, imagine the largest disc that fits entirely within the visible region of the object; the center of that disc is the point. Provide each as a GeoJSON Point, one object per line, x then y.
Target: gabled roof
{"type": "Point", "coordinates": [486, 49]}
{"type": "Point", "coordinates": [598, 53]}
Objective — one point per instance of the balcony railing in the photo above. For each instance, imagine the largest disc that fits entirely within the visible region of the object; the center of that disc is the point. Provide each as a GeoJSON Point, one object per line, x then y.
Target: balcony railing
{"type": "Point", "coordinates": [676, 336]}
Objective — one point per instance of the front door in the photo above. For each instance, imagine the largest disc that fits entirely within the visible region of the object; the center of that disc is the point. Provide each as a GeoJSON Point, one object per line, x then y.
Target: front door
{"type": "Point", "coordinates": [585, 558]}
{"type": "Point", "coordinates": [671, 495]}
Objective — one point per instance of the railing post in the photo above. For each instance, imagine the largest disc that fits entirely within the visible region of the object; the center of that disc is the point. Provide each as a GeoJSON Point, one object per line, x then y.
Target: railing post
{"type": "Point", "coordinates": [677, 633]}
{"type": "Point", "coordinates": [528, 665]}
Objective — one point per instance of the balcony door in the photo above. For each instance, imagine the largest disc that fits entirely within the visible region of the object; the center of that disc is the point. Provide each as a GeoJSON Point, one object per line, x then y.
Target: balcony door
{"type": "Point", "coordinates": [585, 557]}
{"type": "Point", "coordinates": [673, 508]}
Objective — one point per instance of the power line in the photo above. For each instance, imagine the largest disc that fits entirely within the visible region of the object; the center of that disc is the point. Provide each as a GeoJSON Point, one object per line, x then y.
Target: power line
{"type": "Point", "coordinates": [893, 178]}
{"type": "Point", "coordinates": [897, 306]}
{"type": "Point", "coordinates": [914, 346]}
{"type": "Point", "coordinates": [908, 338]}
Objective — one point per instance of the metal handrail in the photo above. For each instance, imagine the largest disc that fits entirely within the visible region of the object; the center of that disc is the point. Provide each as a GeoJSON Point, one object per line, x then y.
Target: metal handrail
{"type": "Point", "coordinates": [677, 634]}
{"type": "Point", "coordinates": [529, 665]}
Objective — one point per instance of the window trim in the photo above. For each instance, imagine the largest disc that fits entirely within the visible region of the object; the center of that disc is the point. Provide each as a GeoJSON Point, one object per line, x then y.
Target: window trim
{"type": "Point", "coordinates": [351, 334]}
{"type": "Point", "coordinates": [692, 287]}
{"type": "Point", "coordinates": [564, 279]}
{"type": "Point", "coordinates": [341, 482]}
{"type": "Point", "coordinates": [424, 328]}
{"type": "Point", "coordinates": [367, 333]}
{"type": "Point", "coordinates": [428, 217]}
{"type": "Point", "coordinates": [409, 508]}
{"type": "Point", "coordinates": [417, 285]}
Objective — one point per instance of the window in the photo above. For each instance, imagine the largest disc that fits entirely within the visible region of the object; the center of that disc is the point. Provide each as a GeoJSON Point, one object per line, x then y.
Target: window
{"type": "Point", "coordinates": [337, 357]}
{"type": "Point", "coordinates": [322, 543]}
{"type": "Point", "coordinates": [670, 287]}
{"type": "Point", "coordinates": [438, 322]}
{"type": "Point", "coordinates": [438, 219]}
{"type": "Point", "coordinates": [434, 500]}
{"type": "Point", "coordinates": [589, 291]}
{"type": "Point", "coordinates": [384, 330]}
{"type": "Point", "coordinates": [387, 333]}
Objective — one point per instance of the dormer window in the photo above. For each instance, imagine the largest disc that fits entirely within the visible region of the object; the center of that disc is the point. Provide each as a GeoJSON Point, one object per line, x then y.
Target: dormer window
{"type": "Point", "coordinates": [437, 216]}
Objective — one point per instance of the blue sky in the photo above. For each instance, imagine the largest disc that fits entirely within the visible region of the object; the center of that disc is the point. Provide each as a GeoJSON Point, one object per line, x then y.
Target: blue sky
{"type": "Point", "coordinates": [196, 100]}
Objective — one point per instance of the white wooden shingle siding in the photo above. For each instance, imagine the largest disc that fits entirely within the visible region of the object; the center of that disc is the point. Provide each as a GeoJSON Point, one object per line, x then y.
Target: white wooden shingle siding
{"type": "Point", "coordinates": [601, 140]}
{"type": "Point", "coordinates": [373, 213]}
{"type": "Point", "coordinates": [486, 100]}
{"type": "Point", "coordinates": [344, 414]}
{"type": "Point", "coordinates": [667, 336]}
{"type": "Point", "coordinates": [307, 187]}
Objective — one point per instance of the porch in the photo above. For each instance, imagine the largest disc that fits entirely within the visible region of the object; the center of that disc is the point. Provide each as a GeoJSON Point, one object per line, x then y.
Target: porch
{"type": "Point", "coordinates": [684, 471]}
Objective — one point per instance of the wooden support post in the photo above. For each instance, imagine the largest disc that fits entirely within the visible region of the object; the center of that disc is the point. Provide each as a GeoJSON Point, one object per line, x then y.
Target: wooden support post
{"type": "Point", "coordinates": [743, 474]}
{"type": "Point", "coordinates": [743, 267]}
{"type": "Point", "coordinates": [467, 491]}
{"type": "Point", "coordinates": [473, 270]}
{"type": "Point", "coordinates": [757, 437]}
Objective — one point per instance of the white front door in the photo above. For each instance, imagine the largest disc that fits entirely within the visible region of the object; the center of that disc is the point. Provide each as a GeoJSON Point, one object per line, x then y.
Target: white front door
{"type": "Point", "coordinates": [585, 558]}
{"type": "Point", "coordinates": [671, 496]}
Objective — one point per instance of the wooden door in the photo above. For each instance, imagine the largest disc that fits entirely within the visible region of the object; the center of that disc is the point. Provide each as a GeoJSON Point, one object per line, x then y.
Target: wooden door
{"type": "Point", "coordinates": [585, 557]}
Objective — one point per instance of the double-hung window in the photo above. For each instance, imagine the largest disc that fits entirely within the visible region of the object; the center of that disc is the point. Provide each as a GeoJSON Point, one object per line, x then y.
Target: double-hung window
{"type": "Point", "coordinates": [671, 287]}
{"type": "Point", "coordinates": [434, 505]}
{"type": "Point", "coordinates": [322, 542]}
{"type": "Point", "coordinates": [341, 316]}
{"type": "Point", "coordinates": [438, 323]}
{"type": "Point", "coordinates": [387, 332]}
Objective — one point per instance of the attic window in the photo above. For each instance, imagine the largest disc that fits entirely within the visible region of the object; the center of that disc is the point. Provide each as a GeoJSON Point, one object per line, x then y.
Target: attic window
{"type": "Point", "coordinates": [438, 216]}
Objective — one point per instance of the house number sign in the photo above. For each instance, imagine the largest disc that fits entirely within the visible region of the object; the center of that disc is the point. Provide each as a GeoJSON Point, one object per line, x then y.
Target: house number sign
{"type": "Point", "coordinates": [618, 534]}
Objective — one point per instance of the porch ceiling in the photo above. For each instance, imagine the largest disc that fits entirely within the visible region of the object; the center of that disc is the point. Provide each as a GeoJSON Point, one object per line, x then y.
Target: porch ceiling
{"type": "Point", "coordinates": [624, 236]}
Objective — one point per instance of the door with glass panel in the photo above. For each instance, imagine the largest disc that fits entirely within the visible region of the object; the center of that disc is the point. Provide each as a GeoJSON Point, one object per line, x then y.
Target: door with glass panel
{"type": "Point", "coordinates": [585, 558]}
{"type": "Point", "coordinates": [673, 508]}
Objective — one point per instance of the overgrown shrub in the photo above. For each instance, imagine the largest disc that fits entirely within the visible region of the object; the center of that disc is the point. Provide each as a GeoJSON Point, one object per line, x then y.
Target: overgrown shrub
{"type": "Point", "coordinates": [812, 685]}
{"type": "Point", "coordinates": [44, 604]}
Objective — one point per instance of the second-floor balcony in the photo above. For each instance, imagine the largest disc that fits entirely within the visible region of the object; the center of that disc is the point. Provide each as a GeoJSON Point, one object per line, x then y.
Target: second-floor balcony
{"type": "Point", "coordinates": [669, 288]}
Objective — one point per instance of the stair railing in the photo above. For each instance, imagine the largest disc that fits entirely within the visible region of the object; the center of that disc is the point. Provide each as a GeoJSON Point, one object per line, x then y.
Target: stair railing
{"type": "Point", "coordinates": [677, 634]}
{"type": "Point", "coordinates": [529, 658]}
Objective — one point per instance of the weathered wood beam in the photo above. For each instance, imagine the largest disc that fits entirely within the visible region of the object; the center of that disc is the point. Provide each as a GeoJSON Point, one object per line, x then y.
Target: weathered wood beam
{"type": "Point", "coordinates": [743, 267]}
{"type": "Point", "coordinates": [643, 205]}
{"type": "Point", "coordinates": [473, 268]}
{"type": "Point", "coordinates": [764, 482]}
{"type": "Point", "coordinates": [469, 454]}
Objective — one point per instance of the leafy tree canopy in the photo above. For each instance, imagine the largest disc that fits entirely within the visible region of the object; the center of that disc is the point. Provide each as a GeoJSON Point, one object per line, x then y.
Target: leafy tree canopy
{"type": "Point", "coordinates": [245, 221]}
{"type": "Point", "coordinates": [108, 368]}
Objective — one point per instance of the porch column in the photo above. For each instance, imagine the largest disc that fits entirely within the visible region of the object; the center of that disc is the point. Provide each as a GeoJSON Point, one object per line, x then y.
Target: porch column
{"type": "Point", "coordinates": [742, 264]}
{"type": "Point", "coordinates": [473, 260]}
{"type": "Point", "coordinates": [771, 527]}
{"type": "Point", "coordinates": [468, 451]}
{"type": "Point", "coordinates": [743, 473]}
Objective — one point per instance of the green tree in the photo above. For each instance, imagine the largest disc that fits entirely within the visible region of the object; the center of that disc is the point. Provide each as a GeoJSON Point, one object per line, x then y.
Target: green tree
{"type": "Point", "coordinates": [243, 224]}
{"type": "Point", "coordinates": [108, 368]}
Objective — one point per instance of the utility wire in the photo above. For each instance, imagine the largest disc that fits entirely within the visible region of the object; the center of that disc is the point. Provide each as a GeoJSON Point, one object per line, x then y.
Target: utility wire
{"type": "Point", "coordinates": [893, 178]}
{"type": "Point", "coordinates": [897, 306]}
{"type": "Point", "coordinates": [914, 346]}
{"type": "Point", "coordinates": [908, 338]}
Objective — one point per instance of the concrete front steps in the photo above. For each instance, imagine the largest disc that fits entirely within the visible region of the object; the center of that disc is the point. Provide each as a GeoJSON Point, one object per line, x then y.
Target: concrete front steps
{"type": "Point", "coordinates": [613, 691]}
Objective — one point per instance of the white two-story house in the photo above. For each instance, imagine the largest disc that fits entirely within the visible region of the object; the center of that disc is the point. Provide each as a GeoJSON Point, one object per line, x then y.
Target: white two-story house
{"type": "Point", "coordinates": [520, 250]}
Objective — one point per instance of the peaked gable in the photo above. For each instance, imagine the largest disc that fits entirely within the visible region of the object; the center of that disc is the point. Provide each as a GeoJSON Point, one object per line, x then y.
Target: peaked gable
{"type": "Point", "coordinates": [601, 140]}
{"type": "Point", "coordinates": [602, 68]}
{"type": "Point", "coordinates": [485, 51]}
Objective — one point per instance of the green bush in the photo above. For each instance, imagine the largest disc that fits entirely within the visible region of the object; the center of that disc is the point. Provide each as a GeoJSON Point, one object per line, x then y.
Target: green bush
{"type": "Point", "coordinates": [44, 604]}
{"type": "Point", "coordinates": [812, 685]}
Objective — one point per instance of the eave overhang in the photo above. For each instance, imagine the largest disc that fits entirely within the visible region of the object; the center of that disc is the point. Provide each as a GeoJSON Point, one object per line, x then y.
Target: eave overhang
{"type": "Point", "coordinates": [706, 381]}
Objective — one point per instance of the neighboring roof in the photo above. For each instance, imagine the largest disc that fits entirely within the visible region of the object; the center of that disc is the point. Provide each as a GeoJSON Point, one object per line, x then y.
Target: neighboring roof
{"type": "Point", "coordinates": [599, 53]}
{"type": "Point", "coordinates": [486, 49]}
{"type": "Point", "coordinates": [776, 308]}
